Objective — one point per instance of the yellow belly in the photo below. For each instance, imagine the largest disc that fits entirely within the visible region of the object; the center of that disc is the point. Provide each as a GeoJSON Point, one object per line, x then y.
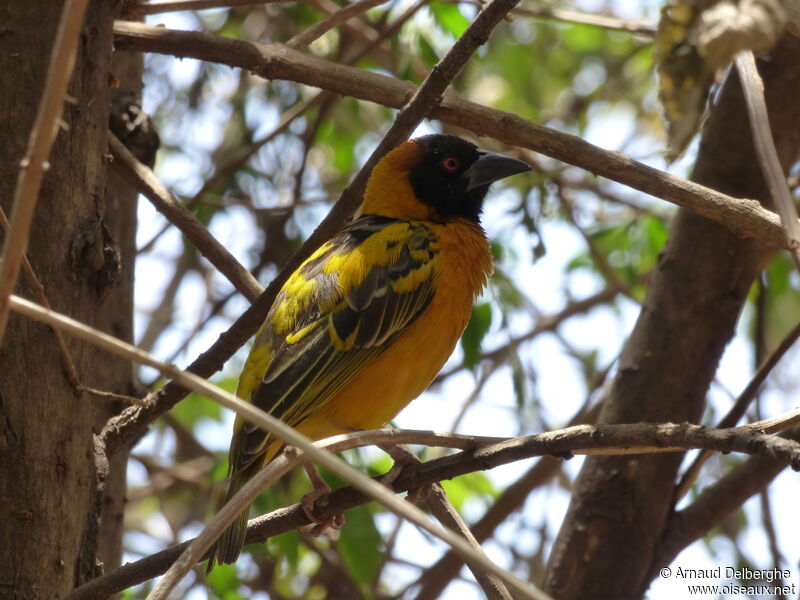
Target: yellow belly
{"type": "Point", "coordinates": [402, 372]}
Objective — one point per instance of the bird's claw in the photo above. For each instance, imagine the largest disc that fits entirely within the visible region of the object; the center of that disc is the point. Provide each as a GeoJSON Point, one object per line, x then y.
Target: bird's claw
{"type": "Point", "coordinates": [318, 526]}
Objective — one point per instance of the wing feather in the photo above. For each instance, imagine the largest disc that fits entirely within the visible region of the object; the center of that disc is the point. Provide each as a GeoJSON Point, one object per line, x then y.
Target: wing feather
{"type": "Point", "coordinates": [338, 311]}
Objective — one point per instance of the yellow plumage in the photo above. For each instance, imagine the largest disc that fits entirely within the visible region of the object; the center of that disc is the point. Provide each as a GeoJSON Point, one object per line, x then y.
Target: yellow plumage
{"type": "Point", "coordinates": [365, 324]}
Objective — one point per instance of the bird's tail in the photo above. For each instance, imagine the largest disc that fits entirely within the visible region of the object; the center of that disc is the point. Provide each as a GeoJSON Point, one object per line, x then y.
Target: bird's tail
{"type": "Point", "coordinates": [226, 549]}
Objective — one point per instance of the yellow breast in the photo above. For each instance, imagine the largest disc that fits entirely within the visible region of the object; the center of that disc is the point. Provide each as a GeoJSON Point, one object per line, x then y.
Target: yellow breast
{"type": "Point", "coordinates": [403, 371]}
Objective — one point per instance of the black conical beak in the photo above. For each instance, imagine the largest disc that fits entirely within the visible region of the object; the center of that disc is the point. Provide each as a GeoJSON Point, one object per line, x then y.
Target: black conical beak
{"type": "Point", "coordinates": [491, 167]}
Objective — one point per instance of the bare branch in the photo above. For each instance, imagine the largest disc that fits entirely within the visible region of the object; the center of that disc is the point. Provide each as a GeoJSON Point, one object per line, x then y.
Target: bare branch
{"type": "Point", "coordinates": [715, 503]}
{"type": "Point", "coordinates": [441, 508]}
{"type": "Point", "coordinates": [43, 134]}
{"type": "Point", "coordinates": [744, 217]}
{"type": "Point", "coordinates": [145, 181]}
{"type": "Point", "coordinates": [196, 550]}
{"type": "Point", "coordinates": [543, 324]}
{"type": "Point", "coordinates": [431, 584]}
{"type": "Point", "coordinates": [140, 9]}
{"type": "Point", "coordinates": [739, 407]}
{"type": "Point", "coordinates": [643, 28]}
{"type": "Point", "coordinates": [301, 40]}
{"type": "Point", "coordinates": [242, 155]}
{"type": "Point", "coordinates": [583, 439]}
{"type": "Point", "coordinates": [753, 88]}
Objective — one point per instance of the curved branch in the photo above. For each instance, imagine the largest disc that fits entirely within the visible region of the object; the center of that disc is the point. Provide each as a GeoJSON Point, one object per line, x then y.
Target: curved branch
{"type": "Point", "coordinates": [745, 218]}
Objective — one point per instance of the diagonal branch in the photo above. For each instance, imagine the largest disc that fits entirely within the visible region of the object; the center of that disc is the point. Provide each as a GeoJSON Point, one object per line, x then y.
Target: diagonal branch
{"type": "Point", "coordinates": [745, 218]}
{"type": "Point", "coordinates": [716, 502]}
{"type": "Point", "coordinates": [753, 88]}
{"type": "Point", "coordinates": [43, 134]}
{"type": "Point", "coordinates": [739, 407]}
{"type": "Point", "coordinates": [318, 29]}
{"type": "Point", "coordinates": [144, 181]}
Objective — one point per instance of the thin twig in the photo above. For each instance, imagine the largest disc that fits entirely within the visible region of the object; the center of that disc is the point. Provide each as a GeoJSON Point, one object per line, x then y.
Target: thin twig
{"type": "Point", "coordinates": [441, 508]}
{"type": "Point", "coordinates": [739, 407]}
{"type": "Point", "coordinates": [318, 29]}
{"type": "Point", "coordinates": [569, 17]}
{"type": "Point", "coordinates": [145, 181]}
{"type": "Point", "coordinates": [544, 324]}
{"type": "Point", "coordinates": [43, 134]}
{"type": "Point", "coordinates": [357, 28]}
{"type": "Point", "coordinates": [600, 260]}
{"type": "Point", "coordinates": [38, 290]}
{"type": "Point", "coordinates": [436, 577]}
{"type": "Point", "coordinates": [744, 217]}
{"type": "Point", "coordinates": [768, 524]}
{"type": "Point", "coordinates": [140, 9]}
{"type": "Point", "coordinates": [768, 160]}
{"type": "Point", "coordinates": [109, 395]}
{"type": "Point", "coordinates": [241, 157]}
{"type": "Point", "coordinates": [275, 427]}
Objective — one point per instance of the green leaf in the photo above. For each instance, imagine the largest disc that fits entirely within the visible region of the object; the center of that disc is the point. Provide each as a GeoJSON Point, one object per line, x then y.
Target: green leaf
{"type": "Point", "coordinates": [476, 330]}
{"type": "Point", "coordinates": [361, 545]}
{"type": "Point", "coordinates": [196, 407]}
{"type": "Point", "coordinates": [341, 143]}
{"type": "Point", "coordinates": [427, 52]}
{"type": "Point", "coordinates": [223, 582]}
{"type": "Point", "coordinates": [449, 17]}
{"type": "Point", "coordinates": [469, 486]}
{"type": "Point", "coordinates": [585, 38]}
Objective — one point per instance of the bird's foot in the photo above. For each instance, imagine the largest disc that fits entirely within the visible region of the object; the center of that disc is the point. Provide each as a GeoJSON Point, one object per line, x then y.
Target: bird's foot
{"type": "Point", "coordinates": [318, 526]}
{"type": "Point", "coordinates": [403, 457]}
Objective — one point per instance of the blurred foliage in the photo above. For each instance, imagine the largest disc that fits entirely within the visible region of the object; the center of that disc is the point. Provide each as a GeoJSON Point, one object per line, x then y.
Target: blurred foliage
{"type": "Point", "coordinates": [262, 194]}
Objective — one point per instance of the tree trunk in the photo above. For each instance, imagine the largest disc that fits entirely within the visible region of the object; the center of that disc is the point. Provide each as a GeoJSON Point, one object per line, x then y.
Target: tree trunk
{"type": "Point", "coordinates": [621, 504]}
{"type": "Point", "coordinates": [81, 249]}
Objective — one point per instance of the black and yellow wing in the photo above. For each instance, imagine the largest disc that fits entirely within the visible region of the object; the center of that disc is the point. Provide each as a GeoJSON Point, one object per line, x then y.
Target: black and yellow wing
{"type": "Point", "coordinates": [340, 309]}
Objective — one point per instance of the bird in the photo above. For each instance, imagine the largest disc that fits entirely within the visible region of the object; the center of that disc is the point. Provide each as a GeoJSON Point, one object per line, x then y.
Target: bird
{"type": "Point", "coordinates": [364, 325]}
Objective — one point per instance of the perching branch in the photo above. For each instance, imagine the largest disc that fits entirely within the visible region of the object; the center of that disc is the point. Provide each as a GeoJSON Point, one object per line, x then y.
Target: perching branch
{"type": "Point", "coordinates": [745, 218]}
{"type": "Point", "coordinates": [275, 427]}
{"type": "Point", "coordinates": [582, 439]}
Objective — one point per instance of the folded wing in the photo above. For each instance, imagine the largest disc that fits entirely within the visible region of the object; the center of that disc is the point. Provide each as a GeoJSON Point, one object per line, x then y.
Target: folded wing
{"type": "Point", "coordinates": [340, 309]}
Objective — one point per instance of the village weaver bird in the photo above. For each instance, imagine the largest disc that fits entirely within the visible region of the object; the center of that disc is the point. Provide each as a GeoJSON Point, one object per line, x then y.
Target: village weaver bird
{"type": "Point", "coordinates": [363, 326]}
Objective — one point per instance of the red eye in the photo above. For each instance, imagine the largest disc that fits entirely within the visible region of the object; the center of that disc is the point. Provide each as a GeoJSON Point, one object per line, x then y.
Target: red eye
{"type": "Point", "coordinates": [450, 163]}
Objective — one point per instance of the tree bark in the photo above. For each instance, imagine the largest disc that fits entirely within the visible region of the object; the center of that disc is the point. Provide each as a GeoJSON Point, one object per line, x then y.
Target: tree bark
{"type": "Point", "coordinates": [621, 505]}
{"type": "Point", "coordinates": [81, 249]}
